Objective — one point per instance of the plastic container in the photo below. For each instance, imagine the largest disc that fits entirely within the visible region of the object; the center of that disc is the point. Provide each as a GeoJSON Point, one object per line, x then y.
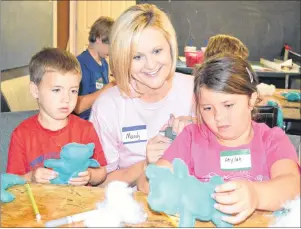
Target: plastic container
{"type": "Point", "coordinates": [189, 49]}
{"type": "Point", "coordinates": [193, 58]}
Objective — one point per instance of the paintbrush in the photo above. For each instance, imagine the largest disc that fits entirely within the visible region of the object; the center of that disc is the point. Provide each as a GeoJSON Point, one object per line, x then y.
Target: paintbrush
{"type": "Point", "coordinates": [33, 203]}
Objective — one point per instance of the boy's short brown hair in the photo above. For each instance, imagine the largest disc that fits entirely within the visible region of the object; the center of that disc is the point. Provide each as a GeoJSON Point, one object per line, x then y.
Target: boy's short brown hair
{"type": "Point", "coordinates": [222, 43]}
{"type": "Point", "coordinates": [52, 59]}
{"type": "Point", "coordinates": [101, 29]}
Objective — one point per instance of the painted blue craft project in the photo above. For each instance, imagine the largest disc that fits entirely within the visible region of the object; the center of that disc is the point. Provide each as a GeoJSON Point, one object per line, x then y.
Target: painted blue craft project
{"type": "Point", "coordinates": [280, 212]}
{"type": "Point", "coordinates": [292, 96]}
{"type": "Point", "coordinates": [74, 158]}
{"type": "Point", "coordinates": [168, 133]}
{"type": "Point", "coordinates": [279, 114]}
{"type": "Point", "coordinates": [179, 193]}
{"type": "Point", "coordinates": [7, 181]}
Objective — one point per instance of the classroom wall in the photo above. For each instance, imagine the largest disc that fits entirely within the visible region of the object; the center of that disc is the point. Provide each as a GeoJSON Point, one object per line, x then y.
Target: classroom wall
{"type": "Point", "coordinates": [25, 28]}
{"type": "Point", "coordinates": [264, 26]}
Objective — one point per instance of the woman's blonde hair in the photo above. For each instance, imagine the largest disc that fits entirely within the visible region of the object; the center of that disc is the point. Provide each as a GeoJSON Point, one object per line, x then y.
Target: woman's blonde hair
{"type": "Point", "coordinates": [125, 35]}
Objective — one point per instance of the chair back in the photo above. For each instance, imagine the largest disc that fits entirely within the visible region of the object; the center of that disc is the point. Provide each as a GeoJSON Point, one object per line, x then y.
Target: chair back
{"type": "Point", "coordinates": [267, 115]}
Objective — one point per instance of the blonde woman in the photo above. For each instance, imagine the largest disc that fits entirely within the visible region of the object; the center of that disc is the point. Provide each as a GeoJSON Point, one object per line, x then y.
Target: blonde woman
{"type": "Point", "coordinates": [149, 95]}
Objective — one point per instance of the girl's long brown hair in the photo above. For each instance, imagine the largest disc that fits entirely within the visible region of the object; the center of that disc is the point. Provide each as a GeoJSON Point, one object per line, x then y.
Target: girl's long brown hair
{"type": "Point", "coordinates": [227, 74]}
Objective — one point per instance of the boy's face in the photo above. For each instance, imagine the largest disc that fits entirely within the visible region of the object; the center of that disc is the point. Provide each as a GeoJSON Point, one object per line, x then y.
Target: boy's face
{"type": "Point", "coordinates": [57, 94]}
{"type": "Point", "coordinates": [227, 115]}
{"type": "Point", "coordinates": [102, 48]}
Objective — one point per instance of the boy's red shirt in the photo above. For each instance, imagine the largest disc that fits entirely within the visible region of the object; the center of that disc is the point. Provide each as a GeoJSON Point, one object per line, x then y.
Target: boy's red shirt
{"type": "Point", "coordinates": [31, 143]}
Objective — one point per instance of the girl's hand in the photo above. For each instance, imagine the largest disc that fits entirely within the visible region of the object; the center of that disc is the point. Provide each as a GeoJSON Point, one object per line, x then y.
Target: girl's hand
{"type": "Point", "coordinates": [156, 147]}
{"type": "Point", "coordinates": [236, 198]}
{"type": "Point", "coordinates": [181, 122]}
{"type": "Point", "coordinates": [82, 179]}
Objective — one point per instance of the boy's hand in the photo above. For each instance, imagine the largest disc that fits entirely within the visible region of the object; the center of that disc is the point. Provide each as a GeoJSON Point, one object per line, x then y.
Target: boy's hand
{"type": "Point", "coordinates": [156, 147]}
{"type": "Point", "coordinates": [43, 175]}
{"type": "Point", "coordinates": [237, 198]}
{"type": "Point", "coordinates": [82, 179]}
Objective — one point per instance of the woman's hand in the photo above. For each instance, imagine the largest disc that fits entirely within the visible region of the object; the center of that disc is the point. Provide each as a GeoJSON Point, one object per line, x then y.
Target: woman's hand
{"type": "Point", "coordinates": [236, 198]}
{"type": "Point", "coordinates": [156, 147]}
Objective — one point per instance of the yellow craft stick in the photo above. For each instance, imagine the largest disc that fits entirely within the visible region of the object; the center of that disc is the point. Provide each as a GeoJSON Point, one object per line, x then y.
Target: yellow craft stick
{"type": "Point", "coordinates": [33, 202]}
{"type": "Point", "coordinates": [173, 223]}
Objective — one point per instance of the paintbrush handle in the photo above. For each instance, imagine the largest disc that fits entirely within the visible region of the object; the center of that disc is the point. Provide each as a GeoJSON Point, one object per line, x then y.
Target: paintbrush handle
{"type": "Point", "coordinates": [33, 202]}
{"type": "Point", "coordinates": [69, 219]}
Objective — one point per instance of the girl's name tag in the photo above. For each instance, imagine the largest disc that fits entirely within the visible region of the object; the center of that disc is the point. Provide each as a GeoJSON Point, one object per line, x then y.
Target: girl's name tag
{"type": "Point", "coordinates": [134, 134]}
{"type": "Point", "coordinates": [235, 160]}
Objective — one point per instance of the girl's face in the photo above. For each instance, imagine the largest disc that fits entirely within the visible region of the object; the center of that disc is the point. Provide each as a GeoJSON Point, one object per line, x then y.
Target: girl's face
{"type": "Point", "coordinates": [228, 116]}
{"type": "Point", "coordinates": [152, 60]}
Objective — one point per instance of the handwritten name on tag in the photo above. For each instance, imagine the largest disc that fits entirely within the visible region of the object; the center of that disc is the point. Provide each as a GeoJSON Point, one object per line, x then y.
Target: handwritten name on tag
{"type": "Point", "coordinates": [99, 85]}
{"type": "Point", "coordinates": [134, 134]}
{"type": "Point", "coordinates": [235, 160]}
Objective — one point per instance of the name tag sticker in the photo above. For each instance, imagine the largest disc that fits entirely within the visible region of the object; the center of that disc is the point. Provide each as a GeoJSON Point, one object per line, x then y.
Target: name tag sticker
{"type": "Point", "coordinates": [99, 85]}
{"type": "Point", "coordinates": [236, 160]}
{"type": "Point", "coordinates": [134, 134]}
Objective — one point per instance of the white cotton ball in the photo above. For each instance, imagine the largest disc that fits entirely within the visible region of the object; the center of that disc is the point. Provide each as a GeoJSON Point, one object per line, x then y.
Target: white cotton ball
{"type": "Point", "coordinates": [133, 213]}
{"type": "Point", "coordinates": [120, 198]}
{"type": "Point", "coordinates": [119, 207]}
{"type": "Point", "coordinates": [292, 218]}
{"type": "Point", "coordinates": [102, 218]}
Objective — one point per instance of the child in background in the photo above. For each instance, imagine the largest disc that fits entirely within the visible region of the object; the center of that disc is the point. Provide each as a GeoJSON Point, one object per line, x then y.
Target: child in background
{"type": "Point", "coordinates": [95, 69]}
{"type": "Point", "coordinates": [222, 43]}
{"type": "Point", "coordinates": [255, 161]}
{"type": "Point", "coordinates": [54, 81]}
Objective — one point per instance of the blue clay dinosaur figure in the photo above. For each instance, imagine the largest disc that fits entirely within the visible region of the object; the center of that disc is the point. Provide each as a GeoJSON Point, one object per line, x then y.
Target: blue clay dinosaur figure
{"type": "Point", "coordinates": [75, 158]}
{"type": "Point", "coordinates": [7, 181]}
{"type": "Point", "coordinates": [179, 193]}
{"type": "Point", "coordinates": [292, 96]}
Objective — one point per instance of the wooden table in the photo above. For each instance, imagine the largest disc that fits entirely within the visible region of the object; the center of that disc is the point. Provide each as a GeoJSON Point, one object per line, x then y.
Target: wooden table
{"type": "Point", "coordinates": [56, 201]}
{"type": "Point", "coordinates": [291, 110]}
{"type": "Point", "coordinates": [181, 67]}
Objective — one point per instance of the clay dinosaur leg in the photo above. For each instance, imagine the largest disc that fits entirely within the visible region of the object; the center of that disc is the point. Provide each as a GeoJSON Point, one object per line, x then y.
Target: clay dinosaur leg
{"type": "Point", "coordinates": [217, 220]}
{"type": "Point", "coordinates": [6, 196]}
{"type": "Point", "coordinates": [186, 219]}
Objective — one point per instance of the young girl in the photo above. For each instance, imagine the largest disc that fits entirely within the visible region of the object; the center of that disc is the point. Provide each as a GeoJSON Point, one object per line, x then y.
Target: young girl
{"type": "Point", "coordinates": [259, 164]}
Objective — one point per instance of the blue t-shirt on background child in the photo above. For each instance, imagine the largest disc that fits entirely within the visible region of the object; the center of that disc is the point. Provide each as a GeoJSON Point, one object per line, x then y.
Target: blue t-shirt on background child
{"type": "Point", "coordinates": [94, 77]}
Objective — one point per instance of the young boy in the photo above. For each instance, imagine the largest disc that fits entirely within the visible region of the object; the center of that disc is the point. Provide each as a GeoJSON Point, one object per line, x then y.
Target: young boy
{"type": "Point", "coordinates": [54, 81]}
{"type": "Point", "coordinates": [95, 70]}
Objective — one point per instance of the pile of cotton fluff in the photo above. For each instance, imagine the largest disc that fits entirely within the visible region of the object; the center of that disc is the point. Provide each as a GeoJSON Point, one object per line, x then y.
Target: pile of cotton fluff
{"type": "Point", "coordinates": [117, 209]}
